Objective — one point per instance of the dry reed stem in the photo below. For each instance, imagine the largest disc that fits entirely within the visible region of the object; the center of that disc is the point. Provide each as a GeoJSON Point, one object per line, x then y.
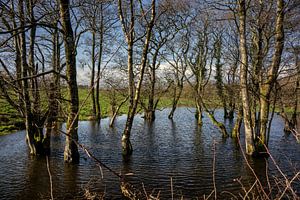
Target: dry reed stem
{"type": "Point", "coordinates": [247, 192]}
{"type": "Point", "coordinates": [287, 182]}
{"type": "Point", "coordinates": [50, 178]}
{"type": "Point", "coordinates": [252, 170]}
{"type": "Point", "coordinates": [172, 188]}
{"type": "Point", "coordinates": [214, 168]}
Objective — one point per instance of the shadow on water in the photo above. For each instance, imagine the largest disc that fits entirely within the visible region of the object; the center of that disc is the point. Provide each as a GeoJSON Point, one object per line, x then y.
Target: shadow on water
{"type": "Point", "coordinates": [164, 149]}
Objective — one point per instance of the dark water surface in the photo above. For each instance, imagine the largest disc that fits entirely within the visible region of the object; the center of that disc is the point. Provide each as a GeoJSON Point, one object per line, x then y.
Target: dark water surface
{"type": "Point", "coordinates": [165, 149]}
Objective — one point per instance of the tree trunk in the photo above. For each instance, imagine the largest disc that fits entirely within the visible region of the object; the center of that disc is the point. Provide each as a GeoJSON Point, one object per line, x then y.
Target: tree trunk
{"type": "Point", "coordinates": [56, 76]}
{"type": "Point", "coordinates": [129, 34]}
{"type": "Point", "coordinates": [198, 114]}
{"type": "Point", "coordinates": [33, 69]}
{"type": "Point", "coordinates": [93, 75]}
{"type": "Point", "coordinates": [218, 76]}
{"type": "Point", "coordinates": [134, 95]}
{"type": "Point", "coordinates": [25, 86]}
{"type": "Point", "coordinates": [237, 125]}
{"type": "Point", "coordinates": [18, 63]}
{"type": "Point", "coordinates": [98, 107]}
{"type": "Point", "coordinates": [250, 148]}
{"type": "Point", "coordinates": [150, 111]}
{"type": "Point", "coordinates": [71, 154]}
{"type": "Point", "coordinates": [211, 116]}
{"type": "Point", "coordinates": [297, 88]}
{"type": "Point", "coordinates": [51, 117]}
{"type": "Point", "coordinates": [176, 98]}
{"type": "Point", "coordinates": [266, 87]}
{"type": "Point", "coordinates": [115, 112]}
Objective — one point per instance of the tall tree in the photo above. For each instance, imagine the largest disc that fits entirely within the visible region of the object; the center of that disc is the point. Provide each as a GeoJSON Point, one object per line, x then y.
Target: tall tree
{"type": "Point", "coordinates": [267, 85]}
{"type": "Point", "coordinates": [71, 154]}
{"type": "Point", "coordinates": [134, 90]}
{"type": "Point", "coordinates": [219, 73]}
{"type": "Point", "coordinates": [242, 13]}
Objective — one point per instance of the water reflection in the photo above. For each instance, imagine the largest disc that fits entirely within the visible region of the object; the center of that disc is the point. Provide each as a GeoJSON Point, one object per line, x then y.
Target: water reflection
{"type": "Point", "coordinates": [166, 148]}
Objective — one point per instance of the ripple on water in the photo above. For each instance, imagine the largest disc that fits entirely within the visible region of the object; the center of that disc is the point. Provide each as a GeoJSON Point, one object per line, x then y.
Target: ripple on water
{"type": "Point", "coordinates": [163, 149]}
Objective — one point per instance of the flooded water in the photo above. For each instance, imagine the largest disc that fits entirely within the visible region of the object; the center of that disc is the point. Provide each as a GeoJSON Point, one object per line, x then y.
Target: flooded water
{"type": "Point", "coordinates": [166, 149]}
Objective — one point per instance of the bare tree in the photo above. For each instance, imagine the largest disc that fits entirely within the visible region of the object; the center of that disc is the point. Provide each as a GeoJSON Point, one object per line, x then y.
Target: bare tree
{"type": "Point", "coordinates": [134, 90]}
{"type": "Point", "coordinates": [71, 154]}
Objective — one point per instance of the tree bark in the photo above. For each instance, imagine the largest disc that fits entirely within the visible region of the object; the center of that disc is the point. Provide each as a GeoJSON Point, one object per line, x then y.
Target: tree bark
{"type": "Point", "coordinates": [237, 125]}
{"type": "Point", "coordinates": [98, 107]}
{"type": "Point", "coordinates": [150, 111]}
{"type": "Point", "coordinates": [250, 148]}
{"type": "Point", "coordinates": [134, 96]}
{"type": "Point", "coordinates": [25, 85]}
{"type": "Point", "coordinates": [93, 74]}
{"type": "Point", "coordinates": [198, 114]}
{"type": "Point", "coordinates": [176, 97]}
{"type": "Point", "coordinates": [266, 87]}
{"type": "Point", "coordinates": [71, 154]}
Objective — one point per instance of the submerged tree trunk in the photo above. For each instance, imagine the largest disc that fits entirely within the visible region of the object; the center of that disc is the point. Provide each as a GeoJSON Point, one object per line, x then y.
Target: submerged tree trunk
{"type": "Point", "coordinates": [250, 148]}
{"type": "Point", "coordinates": [71, 154]}
{"type": "Point", "coordinates": [198, 114]}
{"type": "Point", "coordinates": [134, 96]}
{"type": "Point", "coordinates": [30, 134]}
{"type": "Point", "coordinates": [176, 97]}
{"type": "Point", "coordinates": [54, 92]}
{"type": "Point", "coordinates": [266, 87]}
{"type": "Point", "coordinates": [150, 111]}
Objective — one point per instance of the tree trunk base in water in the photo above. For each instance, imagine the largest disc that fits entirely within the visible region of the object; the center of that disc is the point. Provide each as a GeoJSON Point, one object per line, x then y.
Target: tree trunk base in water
{"type": "Point", "coordinates": [229, 115]}
{"type": "Point", "coordinates": [199, 117]}
{"type": "Point", "coordinates": [37, 145]}
{"type": "Point", "coordinates": [71, 154]}
{"type": "Point", "coordinates": [149, 116]}
{"type": "Point", "coordinates": [126, 147]}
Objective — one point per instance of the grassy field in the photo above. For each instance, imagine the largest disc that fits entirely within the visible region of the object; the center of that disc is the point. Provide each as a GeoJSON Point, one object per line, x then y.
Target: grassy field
{"type": "Point", "coordinates": [10, 120]}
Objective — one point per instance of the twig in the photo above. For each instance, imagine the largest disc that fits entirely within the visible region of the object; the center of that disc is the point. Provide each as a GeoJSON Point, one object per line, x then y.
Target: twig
{"type": "Point", "coordinates": [214, 168]}
{"type": "Point", "coordinates": [101, 171]}
{"type": "Point", "coordinates": [190, 111]}
{"type": "Point", "coordinates": [252, 170]}
{"type": "Point", "coordinates": [92, 156]}
{"type": "Point", "coordinates": [296, 134]}
{"type": "Point", "coordinates": [232, 195]}
{"type": "Point", "coordinates": [288, 185]}
{"type": "Point", "coordinates": [50, 177]}
{"type": "Point", "coordinates": [172, 188]}
{"type": "Point", "coordinates": [145, 192]}
{"type": "Point", "coordinates": [250, 190]}
{"type": "Point", "coordinates": [267, 177]}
